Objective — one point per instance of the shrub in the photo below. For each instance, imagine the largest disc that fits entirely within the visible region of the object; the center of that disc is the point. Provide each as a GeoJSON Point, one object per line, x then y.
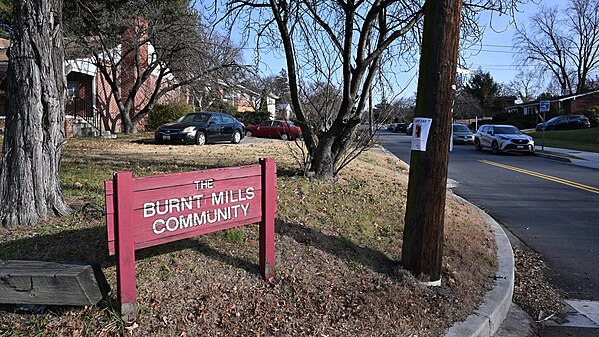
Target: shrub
{"type": "Point", "coordinates": [252, 117]}
{"type": "Point", "coordinates": [221, 106]}
{"type": "Point", "coordinates": [166, 113]}
{"type": "Point", "coordinates": [593, 115]}
{"type": "Point", "coordinates": [246, 117]}
{"type": "Point", "coordinates": [518, 120]}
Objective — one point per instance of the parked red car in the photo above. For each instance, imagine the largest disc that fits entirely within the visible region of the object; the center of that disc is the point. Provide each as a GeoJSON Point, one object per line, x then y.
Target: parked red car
{"type": "Point", "coordinates": [274, 129]}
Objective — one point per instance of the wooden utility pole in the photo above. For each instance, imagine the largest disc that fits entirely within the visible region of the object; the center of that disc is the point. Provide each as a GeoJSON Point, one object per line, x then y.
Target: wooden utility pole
{"type": "Point", "coordinates": [423, 233]}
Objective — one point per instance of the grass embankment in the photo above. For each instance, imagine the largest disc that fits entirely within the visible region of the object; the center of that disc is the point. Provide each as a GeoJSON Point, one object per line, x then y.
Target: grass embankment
{"type": "Point", "coordinates": [337, 245]}
{"type": "Point", "coordinates": [581, 139]}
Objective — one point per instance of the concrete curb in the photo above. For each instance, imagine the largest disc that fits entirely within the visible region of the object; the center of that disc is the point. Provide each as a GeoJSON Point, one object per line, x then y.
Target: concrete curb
{"type": "Point", "coordinates": [496, 303]}
{"type": "Point", "coordinates": [553, 157]}
{"type": "Point", "coordinates": [490, 315]}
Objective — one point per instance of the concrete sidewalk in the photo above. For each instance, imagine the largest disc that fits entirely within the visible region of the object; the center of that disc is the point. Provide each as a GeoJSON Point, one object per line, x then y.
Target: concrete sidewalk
{"type": "Point", "coordinates": [576, 157]}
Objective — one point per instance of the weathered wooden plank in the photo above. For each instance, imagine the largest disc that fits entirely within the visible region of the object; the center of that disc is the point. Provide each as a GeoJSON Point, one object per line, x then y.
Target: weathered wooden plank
{"type": "Point", "coordinates": [125, 249]}
{"type": "Point", "coordinates": [235, 191]}
{"type": "Point", "coordinates": [51, 283]}
{"type": "Point", "coordinates": [183, 178]}
{"type": "Point", "coordinates": [267, 225]}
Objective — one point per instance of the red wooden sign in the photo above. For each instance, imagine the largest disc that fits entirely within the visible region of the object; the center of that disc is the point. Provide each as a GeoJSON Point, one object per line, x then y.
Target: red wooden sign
{"type": "Point", "coordinates": [152, 210]}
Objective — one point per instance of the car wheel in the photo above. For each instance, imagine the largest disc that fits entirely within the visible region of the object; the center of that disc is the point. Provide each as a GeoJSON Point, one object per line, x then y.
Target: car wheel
{"type": "Point", "coordinates": [248, 133]}
{"type": "Point", "coordinates": [477, 145]}
{"type": "Point", "coordinates": [495, 148]}
{"type": "Point", "coordinates": [236, 137]}
{"type": "Point", "coordinates": [284, 136]}
{"type": "Point", "coordinates": [200, 138]}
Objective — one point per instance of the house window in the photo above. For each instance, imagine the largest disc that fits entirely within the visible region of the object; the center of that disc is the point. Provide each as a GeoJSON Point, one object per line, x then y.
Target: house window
{"type": "Point", "coordinates": [529, 110]}
{"type": "Point", "coordinates": [72, 89]}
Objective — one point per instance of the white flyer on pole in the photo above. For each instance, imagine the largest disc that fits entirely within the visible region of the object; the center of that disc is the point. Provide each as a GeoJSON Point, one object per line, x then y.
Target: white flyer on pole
{"type": "Point", "coordinates": [420, 130]}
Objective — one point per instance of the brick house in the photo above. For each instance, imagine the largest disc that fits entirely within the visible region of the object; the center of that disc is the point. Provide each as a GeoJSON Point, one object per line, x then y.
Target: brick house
{"type": "Point", "coordinates": [91, 109]}
{"type": "Point", "coordinates": [89, 94]}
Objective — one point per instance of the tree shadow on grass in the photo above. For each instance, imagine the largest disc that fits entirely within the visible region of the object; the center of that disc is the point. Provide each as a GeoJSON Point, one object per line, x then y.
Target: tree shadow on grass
{"type": "Point", "coordinates": [90, 245]}
{"type": "Point", "coordinates": [342, 247]}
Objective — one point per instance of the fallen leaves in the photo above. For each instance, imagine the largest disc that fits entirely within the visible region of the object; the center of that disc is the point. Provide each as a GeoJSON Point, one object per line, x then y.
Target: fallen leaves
{"type": "Point", "coordinates": [532, 290]}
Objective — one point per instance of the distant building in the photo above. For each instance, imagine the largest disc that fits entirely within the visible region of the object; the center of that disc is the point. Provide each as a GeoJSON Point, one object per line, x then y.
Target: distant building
{"type": "Point", "coordinates": [284, 112]}
{"type": "Point", "coordinates": [242, 98]}
{"type": "Point", "coordinates": [507, 100]}
{"type": "Point", "coordinates": [564, 105]}
{"type": "Point", "coordinates": [91, 109]}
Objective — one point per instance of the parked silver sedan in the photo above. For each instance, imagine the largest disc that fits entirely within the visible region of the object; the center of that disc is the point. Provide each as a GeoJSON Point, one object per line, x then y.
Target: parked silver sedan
{"type": "Point", "coordinates": [461, 134]}
{"type": "Point", "coordinates": [503, 138]}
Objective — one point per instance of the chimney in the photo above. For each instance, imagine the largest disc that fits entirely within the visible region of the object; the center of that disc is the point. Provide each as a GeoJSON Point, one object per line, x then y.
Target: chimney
{"type": "Point", "coordinates": [132, 39]}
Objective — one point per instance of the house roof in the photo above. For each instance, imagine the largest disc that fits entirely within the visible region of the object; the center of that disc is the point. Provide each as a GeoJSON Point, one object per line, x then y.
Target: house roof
{"type": "Point", "coordinates": [555, 99]}
{"type": "Point", "coordinates": [241, 88]}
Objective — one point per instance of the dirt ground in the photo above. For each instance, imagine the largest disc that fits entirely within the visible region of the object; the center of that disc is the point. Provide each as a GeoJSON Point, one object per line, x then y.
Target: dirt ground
{"type": "Point", "coordinates": [338, 253]}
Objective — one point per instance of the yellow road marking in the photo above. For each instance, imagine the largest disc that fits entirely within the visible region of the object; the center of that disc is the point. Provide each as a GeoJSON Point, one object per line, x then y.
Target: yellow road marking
{"type": "Point", "coordinates": [544, 176]}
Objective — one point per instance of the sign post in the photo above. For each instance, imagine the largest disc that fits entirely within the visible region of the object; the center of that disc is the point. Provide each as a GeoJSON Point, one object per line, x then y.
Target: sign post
{"type": "Point", "coordinates": [147, 211]}
{"type": "Point", "coordinates": [544, 108]}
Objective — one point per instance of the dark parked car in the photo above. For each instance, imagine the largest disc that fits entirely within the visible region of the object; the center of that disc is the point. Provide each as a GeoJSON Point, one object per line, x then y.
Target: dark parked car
{"type": "Point", "coordinates": [400, 127]}
{"type": "Point", "coordinates": [409, 129]}
{"type": "Point", "coordinates": [568, 122]}
{"type": "Point", "coordinates": [274, 129]}
{"type": "Point", "coordinates": [201, 128]}
{"type": "Point", "coordinates": [503, 138]}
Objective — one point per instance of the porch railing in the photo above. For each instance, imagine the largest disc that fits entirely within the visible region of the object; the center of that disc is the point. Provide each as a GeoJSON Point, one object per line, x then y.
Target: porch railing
{"type": "Point", "coordinates": [83, 109]}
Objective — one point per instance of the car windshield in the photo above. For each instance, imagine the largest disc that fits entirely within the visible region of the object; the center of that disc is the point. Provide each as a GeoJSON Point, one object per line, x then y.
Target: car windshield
{"type": "Point", "coordinates": [507, 130]}
{"type": "Point", "coordinates": [460, 128]}
{"type": "Point", "coordinates": [195, 118]}
{"type": "Point", "coordinates": [290, 124]}
{"type": "Point", "coordinates": [553, 119]}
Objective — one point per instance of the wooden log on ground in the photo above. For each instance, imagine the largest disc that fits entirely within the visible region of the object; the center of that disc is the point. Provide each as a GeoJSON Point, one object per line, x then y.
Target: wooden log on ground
{"type": "Point", "coordinates": [51, 283]}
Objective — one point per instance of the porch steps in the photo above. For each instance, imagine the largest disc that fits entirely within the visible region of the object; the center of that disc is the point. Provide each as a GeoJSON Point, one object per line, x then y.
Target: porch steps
{"type": "Point", "coordinates": [82, 128]}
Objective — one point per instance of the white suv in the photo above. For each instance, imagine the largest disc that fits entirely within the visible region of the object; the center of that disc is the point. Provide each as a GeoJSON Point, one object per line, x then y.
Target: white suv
{"type": "Point", "coordinates": [503, 138]}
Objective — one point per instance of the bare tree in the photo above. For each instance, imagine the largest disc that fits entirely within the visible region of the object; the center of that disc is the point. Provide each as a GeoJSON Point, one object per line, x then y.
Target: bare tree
{"type": "Point", "coordinates": [278, 85]}
{"type": "Point", "coordinates": [148, 49]}
{"type": "Point", "coordinates": [564, 43]}
{"type": "Point", "coordinates": [322, 39]}
{"type": "Point", "coordinates": [466, 106]}
{"type": "Point", "coordinates": [321, 101]}
{"type": "Point", "coordinates": [346, 43]}
{"type": "Point", "coordinates": [526, 86]}
{"type": "Point", "coordinates": [34, 137]}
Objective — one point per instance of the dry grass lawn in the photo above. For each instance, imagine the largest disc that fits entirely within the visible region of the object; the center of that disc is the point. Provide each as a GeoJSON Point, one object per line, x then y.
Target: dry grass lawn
{"type": "Point", "coordinates": [338, 246]}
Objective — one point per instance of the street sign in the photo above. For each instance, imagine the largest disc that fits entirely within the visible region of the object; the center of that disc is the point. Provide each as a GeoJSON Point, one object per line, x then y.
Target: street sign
{"type": "Point", "coordinates": [544, 106]}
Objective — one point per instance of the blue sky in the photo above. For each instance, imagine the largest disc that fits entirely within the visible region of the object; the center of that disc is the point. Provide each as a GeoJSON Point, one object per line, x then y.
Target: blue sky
{"type": "Point", "coordinates": [494, 54]}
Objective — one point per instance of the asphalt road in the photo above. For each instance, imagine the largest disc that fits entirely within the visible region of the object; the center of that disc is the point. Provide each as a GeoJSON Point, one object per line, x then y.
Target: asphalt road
{"type": "Point", "coordinates": [552, 207]}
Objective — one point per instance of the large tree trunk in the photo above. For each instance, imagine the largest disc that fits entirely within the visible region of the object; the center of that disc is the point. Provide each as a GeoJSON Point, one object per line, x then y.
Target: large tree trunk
{"type": "Point", "coordinates": [331, 147]}
{"type": "Point", "coordinates": [34, 137]}
{"type": "Point", "coordinates": [323, 162]}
